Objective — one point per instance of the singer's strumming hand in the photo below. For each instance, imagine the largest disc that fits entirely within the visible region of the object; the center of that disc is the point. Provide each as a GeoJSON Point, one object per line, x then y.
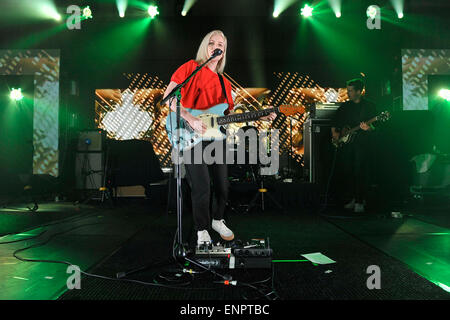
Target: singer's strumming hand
{"type": "Point", "coordinates": [197, 125]}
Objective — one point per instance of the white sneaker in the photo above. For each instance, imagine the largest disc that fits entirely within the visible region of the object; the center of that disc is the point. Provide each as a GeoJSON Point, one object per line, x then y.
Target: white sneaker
{"type": "Point", "coordinates": [203, 237]}
{"type": "Point", "coordinates": [350, 205]}
{"type": "Point", "coordinates": [222, 229]}
{"type": "Point", "coordinates": [359, 207]}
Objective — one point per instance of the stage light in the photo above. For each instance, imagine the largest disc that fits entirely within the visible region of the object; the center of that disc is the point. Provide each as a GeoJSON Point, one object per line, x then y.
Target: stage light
{"type": "Point", "coordinates": [153, 11]}
{"type": "Point", "coordinates": [122, 7]}
{"type": "Point", "coordinates": [444, 94]}
{"type": "Point", "coordinates": [16, 94]}
{"type": "Point", "coordinates": [398, 6]}
{"type": "Point", "coordinates": [50, 11]}
{"type": "Point", "coordinates": [87, 13]}
{"type": "Point", "coordinates": [279, 6]}
{"type": "Point", "coordinates": [187, 6]}
{"type": "Point", "coordinates": [372, 12]}
{"type": "Point", "coordinates": [307, 11]}
{"type": "Point", "coordinates": [336, 5]}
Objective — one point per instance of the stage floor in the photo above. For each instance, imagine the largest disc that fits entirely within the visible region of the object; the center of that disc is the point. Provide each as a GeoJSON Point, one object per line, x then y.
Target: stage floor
{"type": "Point", "coordinates": [411, 253]}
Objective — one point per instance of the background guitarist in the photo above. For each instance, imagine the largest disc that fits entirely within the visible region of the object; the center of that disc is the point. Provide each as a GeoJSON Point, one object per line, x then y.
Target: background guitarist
{"type": "Point", "coordinates": [203, 91]}
{"type": "Point", "coordinates": [357, 154]}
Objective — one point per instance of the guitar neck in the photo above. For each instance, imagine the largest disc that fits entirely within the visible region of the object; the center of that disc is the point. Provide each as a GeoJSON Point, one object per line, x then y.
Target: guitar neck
{"type": "Point", "coordinates": [246, 116]}
{"type": "Point", "coordinates": [355, 128]}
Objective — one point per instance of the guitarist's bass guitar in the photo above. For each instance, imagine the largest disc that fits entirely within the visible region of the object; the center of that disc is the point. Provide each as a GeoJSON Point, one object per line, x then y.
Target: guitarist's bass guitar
{"type": "Point", "coordinates": [216, 123]}
{"type": "Point", "coordinates": [347, 134]}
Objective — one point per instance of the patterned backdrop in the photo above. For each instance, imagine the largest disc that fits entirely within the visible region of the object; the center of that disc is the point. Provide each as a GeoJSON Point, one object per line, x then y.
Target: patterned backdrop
{"type": "Point", "coordinates": [140, 116]}
{"type": "Point", "coordinates": [44, 66]}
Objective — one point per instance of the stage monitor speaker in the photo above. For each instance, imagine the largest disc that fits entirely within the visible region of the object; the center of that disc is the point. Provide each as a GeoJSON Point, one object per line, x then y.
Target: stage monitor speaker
{"type": "Point", "coordinates": [91, 140]}
{"type": "Point", "coordinates": [89, 170]}
{"type": "Point", "coordinates": [318, 155]}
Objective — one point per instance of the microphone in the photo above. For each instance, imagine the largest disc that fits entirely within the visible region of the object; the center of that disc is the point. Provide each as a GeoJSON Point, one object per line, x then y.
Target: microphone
{"type": "Point", "coordinates": [216, 52]}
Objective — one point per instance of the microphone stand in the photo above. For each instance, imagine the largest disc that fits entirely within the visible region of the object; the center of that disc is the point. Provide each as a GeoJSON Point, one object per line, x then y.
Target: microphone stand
{"type": "Point", "coordinates": [180, 250]}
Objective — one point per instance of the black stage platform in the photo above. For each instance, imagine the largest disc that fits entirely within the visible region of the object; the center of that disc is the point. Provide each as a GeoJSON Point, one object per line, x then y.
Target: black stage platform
{"type": "Point", "coordinates": [411, 253]}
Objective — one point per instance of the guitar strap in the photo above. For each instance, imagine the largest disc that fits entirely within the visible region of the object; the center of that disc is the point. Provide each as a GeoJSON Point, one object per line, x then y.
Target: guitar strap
{"type": "Point", "coordinates": [223, 87]}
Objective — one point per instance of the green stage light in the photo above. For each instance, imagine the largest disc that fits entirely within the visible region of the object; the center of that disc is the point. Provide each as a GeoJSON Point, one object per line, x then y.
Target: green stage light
{"type": "Point", "coordinates": [307, 11]}
{"type": "Point", "coordinates": [372, 12]}
{"type": "Point", "coordinates": [50, 11]}
{"type": "Point", "coordinates": [279, 6]}
{"type": "Point", "coordinates": [444, 94]}
{"type": "Point", "coordinates": [188, 4]}
{"type": "Point", "coordinates": [338, 14]}
{"type": "Point", "coordinates": [153, 11]}
{"type": "Point", "coordinates": [122, 7]}
{"type": "Point", "coordinates": [398, 6]}
{"type": "Point", "coordinates": [16, 94]}
{"type": "Point", "coordinates": [87, 13]}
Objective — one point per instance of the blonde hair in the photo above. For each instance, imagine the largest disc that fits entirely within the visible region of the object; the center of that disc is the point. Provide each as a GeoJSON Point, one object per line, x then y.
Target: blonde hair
{"type": "Point", "coordinates": [202, 52]}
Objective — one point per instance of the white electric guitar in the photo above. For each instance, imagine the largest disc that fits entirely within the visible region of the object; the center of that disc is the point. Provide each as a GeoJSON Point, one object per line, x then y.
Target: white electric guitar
{"type": "Point", "coordinates": [216, 122]}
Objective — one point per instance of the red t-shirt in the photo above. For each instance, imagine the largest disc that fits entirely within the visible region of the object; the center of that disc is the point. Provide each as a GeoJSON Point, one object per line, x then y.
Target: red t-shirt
{"type": "Point", "coordinates": [204, 89]}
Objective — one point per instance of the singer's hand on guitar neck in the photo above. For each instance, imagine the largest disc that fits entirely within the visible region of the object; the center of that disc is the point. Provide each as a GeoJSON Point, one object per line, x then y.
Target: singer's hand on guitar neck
{"type": "Point", "coordinates": [270, 117]}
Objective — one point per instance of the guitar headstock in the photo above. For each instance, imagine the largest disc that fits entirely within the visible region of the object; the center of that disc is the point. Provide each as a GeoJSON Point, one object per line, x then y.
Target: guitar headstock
{"type": "Point", "coordinates": [384, 116]}
{"type": "Point", "coordinates": [289, 110]}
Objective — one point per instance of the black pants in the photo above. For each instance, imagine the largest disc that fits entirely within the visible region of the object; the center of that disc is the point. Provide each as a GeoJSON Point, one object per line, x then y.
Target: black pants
{"type": "Point", "coordinates": [360, 175]}
{"type": "Point", "coordinates": [357, 157]}
{"type": "Point", "coordinates": [199, 177]}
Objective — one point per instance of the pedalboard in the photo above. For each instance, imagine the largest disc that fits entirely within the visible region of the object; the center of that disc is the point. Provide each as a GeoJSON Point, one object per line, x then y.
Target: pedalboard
{"type": "Point", "coordinates": [255, 254]}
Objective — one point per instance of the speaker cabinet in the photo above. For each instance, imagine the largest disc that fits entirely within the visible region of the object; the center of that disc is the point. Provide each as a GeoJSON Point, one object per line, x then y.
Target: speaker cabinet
{"type": "Point", "coordinates": [318, 156]}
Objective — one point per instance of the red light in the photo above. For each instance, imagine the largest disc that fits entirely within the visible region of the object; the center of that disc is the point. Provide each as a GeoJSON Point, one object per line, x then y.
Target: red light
{"type": "Point", "coordinates": [226, 282]}
{"type": "Point", "coordinates": [228, 256]}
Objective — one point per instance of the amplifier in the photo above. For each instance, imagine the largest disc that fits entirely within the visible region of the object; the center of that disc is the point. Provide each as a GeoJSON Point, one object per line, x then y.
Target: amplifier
{"type": "Point", "coordinates": [91, 140]}
{"type": "Point", "coordinates": [253, 255]}
{"type": "Point", "coordinates": [323, 110]}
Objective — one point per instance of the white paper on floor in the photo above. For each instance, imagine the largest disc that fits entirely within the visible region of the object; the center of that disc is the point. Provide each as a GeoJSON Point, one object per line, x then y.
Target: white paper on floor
{"type": "Point", "coordinates": [318, 258]}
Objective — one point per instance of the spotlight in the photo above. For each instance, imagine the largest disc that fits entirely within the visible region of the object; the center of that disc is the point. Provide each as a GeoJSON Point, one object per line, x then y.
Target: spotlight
{"type": "Point", "coordinates": [444, 94]}
{"type": "Point", "coordinates": [307, 11]}
{"type": "Point", "coordinates": [16, 94]}
{"type": "Point", "coordinates": [121, 7]}
{"type": "Point", "coordinates": [336, 6]}
{"type": "Point", "coordinates": [275, 14]}
{"type": "Point", "coordinates": [153, 11]}
{"type": "Point", "coordinates": [372, 12]}
{"type": "Point", "coordinates": [51, 12]}
{"type": "Point", "coordinates": [188, 4]}
{"type": "Point", "coordinates": [400, 15]}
